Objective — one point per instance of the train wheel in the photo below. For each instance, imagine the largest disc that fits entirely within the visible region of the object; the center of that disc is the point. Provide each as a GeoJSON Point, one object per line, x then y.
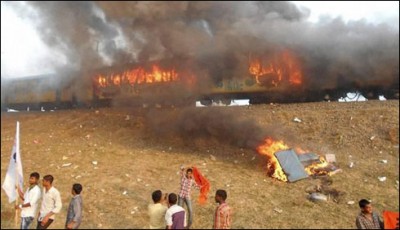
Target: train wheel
{"type": "Point", "coordinates": [226, 101]}
{"type": "Point", "coordinates": [206, 102]}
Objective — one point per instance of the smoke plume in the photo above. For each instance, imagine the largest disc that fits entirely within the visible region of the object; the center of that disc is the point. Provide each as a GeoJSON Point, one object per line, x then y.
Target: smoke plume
{"type": "Point", "coordinates": [218, 38]}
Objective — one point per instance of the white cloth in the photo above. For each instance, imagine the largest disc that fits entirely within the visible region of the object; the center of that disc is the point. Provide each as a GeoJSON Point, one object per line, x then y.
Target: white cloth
{"type": "Point", "coordinates": [14, 173]}
{"type": "Point", "coordinates": [171, 211]}
{"type": "Point", "coordinates": [31, 196]}
{"type": "Point", "coordinates": [51, 203]}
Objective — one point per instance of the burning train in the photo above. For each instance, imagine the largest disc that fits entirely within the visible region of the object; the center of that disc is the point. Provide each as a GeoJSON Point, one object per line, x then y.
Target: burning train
{"type": "Point", "coordinates": [279, 78]}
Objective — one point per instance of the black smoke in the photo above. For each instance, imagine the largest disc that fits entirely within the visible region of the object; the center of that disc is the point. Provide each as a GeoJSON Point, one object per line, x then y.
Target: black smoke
{"type": "Point", "coordinates": [219, 37]}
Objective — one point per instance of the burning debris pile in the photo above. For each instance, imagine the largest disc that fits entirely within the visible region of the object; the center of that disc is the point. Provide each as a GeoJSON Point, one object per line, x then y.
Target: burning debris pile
{"type": "Point", "coordinates": [286, 164]}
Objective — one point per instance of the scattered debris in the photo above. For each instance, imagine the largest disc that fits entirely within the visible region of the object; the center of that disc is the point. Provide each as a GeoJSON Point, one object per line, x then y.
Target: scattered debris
{"type": "Point", "coordinates": [351, 164]}
{"type": "Point", "coordinates": [127, 118]}
{"type": "Point", "coordinates": [94, 162]}
{"type": "Point", "coordinates": [213, 158]}
{"type": "Point", "coordinates": [372, 138]}
{"type": "Point", "coordinates": [127, 175]}
{"type": "Point", "coordinates": [77, 177]}
{"type": "Point", "coordinates": [66, 165]}
{"type": "Point", "coordinates": [138, 179]}
{"type": "Point", "coordinates": [124, 193]}
{"type": "Point", "coordinates": [382, 178]}
{"type": "Point", "coordinates": [296, 120]}
{"type": "Point", "coordinates": [330, 158]}
{"type": "Point", "coordinates": [308, 158]}
{"type": "Point", "coordinates": [335, 171]}
{"type": "Point", "coordinates": [324, 187]}
{"type": "Point", "coordinates": [315, 196]}
{"type": "Point", "coordinates": [64, 158]}
{"type": "Point", "coordinates": [132, 212]}
{"type": "Point", "coordinates": [350, 202]}
{"type": "Point", "coordinates": [253, 158]}
{"type": "Point", "coordinates": [383, 161]}
{"type": "Point", "coordinates": [278, 210]}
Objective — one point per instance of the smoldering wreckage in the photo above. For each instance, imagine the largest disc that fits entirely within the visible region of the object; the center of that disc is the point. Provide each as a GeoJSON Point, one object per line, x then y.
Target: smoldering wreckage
{"type": "Point", "coordinates": [175, 53]}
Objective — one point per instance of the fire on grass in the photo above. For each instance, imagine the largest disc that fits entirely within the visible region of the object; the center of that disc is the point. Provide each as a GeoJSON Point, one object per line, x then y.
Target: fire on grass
{"type": "Point", "coordinates": [274, 169]}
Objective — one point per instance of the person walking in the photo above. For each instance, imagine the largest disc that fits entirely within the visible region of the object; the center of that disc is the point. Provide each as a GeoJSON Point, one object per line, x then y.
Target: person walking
{"type": "Point", "coordinates": [74, 214]}
{"type": "Point", "coordinates": [30, 201]}
{"type": "Point", "coordinates": [223, 213]}
{"type": "Point", "coordinates": [51, 203]}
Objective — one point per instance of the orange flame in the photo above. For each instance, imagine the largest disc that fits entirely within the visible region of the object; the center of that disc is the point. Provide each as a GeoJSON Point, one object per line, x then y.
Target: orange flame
{"type": "Point", "coordinates": [282, 68]}
{"type": "Point", "coordinates": [269, 148]}
{"type": "Point", "coordinates": [274, 169]}
{"type": "Point", "coordinates": [317, 167]}
{"type": "Point", "coordinates": [137, 76]}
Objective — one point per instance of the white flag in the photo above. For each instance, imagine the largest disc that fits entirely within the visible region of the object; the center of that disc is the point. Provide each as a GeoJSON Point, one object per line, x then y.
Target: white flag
{"type": "Point", "coordinates": [14, 171]}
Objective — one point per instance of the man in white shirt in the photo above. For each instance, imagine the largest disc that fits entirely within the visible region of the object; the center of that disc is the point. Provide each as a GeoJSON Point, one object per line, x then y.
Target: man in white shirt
{"type": "Point", "coordinates": [30, 201]}
{"type": "Point", "coordinates": [175, 215]}
{"type": "Point", "coordinates": [51, 203]}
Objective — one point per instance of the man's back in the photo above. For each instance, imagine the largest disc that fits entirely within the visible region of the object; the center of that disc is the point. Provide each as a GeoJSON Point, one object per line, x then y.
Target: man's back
{"type": "Point", "coordinates": [157, 215]}
{"type": "Point", "coordinates": [175, 217]}
{"type": "Point", "coordinates": [74, 212]}
{"type": "Point", "coordinates": [223, 217]}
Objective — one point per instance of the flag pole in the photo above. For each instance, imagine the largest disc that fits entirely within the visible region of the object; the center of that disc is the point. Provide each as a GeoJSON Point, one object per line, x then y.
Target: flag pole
{"type": "Point", "coordinates": [17, 178]}
{"type": "Point", "coordinates": [16, 203]}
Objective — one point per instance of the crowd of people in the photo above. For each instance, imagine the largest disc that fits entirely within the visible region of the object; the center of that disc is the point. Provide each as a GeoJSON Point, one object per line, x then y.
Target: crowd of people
{"type": "Point", "coordinates": [51, 203]}
{"type": "Point", "coordinates": [166, 212]}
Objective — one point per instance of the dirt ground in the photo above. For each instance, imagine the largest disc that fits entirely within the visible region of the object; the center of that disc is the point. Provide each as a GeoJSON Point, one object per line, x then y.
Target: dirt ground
{"type": "Point", "coordinates": [131, 163]}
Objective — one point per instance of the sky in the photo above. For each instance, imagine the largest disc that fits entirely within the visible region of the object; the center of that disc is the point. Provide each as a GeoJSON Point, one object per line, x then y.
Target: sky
{"type": "Point", "coordinates": [24, 54]}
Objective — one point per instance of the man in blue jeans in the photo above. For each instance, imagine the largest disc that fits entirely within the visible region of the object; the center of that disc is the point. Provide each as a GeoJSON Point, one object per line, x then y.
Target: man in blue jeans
{"type": "Point", "coordinates": [30, 201]}
{"type": "Point", "coordinates": [187, 181]}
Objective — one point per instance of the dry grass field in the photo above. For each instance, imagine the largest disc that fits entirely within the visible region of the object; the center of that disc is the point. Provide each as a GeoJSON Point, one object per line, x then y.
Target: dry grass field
{"type": "Point", "coordinates": [132, 161]}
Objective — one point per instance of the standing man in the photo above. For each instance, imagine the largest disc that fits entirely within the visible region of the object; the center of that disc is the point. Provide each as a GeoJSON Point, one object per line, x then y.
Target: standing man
{"type": "Point", "coordinates": [187, 182]}
{"type": "Point", "coordinates": [74, 214]}
{"type": "Point", "coordinates": [51, 203]}
{"type": "Point", "coordinates": [175, 216]}
{"type": "Point", "coordinates": [30, 201]}
{"type": "Point", "coordinates": [223, 213]}
{"type": "Point", "coordinates": [367, 219]}
{"type": "Point", "coordinates": [157, 211]}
